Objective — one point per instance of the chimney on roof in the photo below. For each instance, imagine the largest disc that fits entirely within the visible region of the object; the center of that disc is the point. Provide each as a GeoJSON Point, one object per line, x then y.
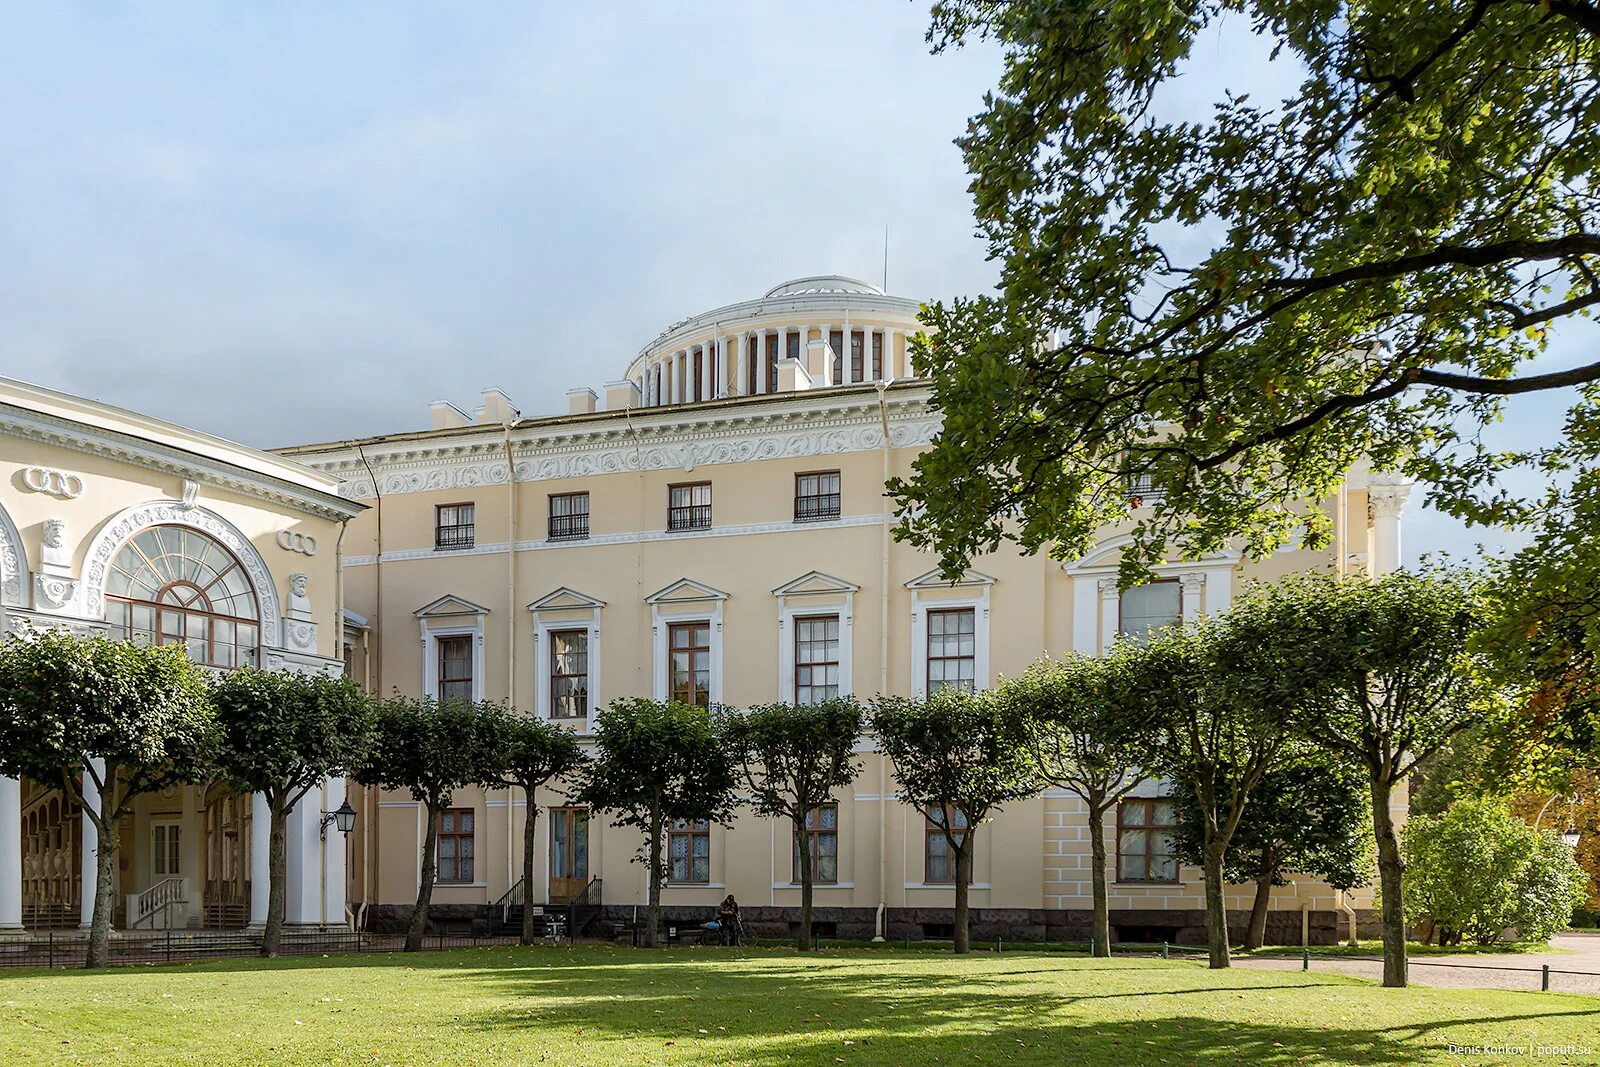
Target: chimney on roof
{"type": "Point", "coordinates": [581, 401]}
{"type": "Point", "coordinates": [497, 407]}
{"type": "Point", "coordinates": [443, 415]}
{"type": "Point", "coordinates": [621, 395]}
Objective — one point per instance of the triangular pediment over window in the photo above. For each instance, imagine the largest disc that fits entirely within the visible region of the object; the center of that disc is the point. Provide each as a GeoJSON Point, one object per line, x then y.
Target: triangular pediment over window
{"type": "Point", "coordinates": [450, 605]}
{"type": "Point", "coordinates": [815, 582]}
{"type": "Point", "coordinates": [685, 591]}
{"type": "Point", "coordinates": [934, 580]}
{"type": "Point", "coordinates": [565, 597]}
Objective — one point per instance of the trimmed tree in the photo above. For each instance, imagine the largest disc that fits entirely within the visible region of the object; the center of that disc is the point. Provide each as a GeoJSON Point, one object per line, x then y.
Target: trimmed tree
{"type": "Point", "coordinates": [1216, 727]}
{"type": "Point", "coordinates": [1380, 673]}
{"type": "Point", "coordinates": [958, 757]}
{"type": "Point", "coordinates": [656, 762]}
{"type": "Point", "coordinates": [430, 748]}
{"type": "Point", "coordinates": [1083, 739]}
{"type": "Point", "coordinates": [280, 733]}
{"type": "Point", "coordinates": [131, 719]}
{"type": "Point", "coordinates": [795, 757]}
{"type": "Point", "coordinates": [1308, 818]}
{"type": "Point", "coordinates": [530, 754]}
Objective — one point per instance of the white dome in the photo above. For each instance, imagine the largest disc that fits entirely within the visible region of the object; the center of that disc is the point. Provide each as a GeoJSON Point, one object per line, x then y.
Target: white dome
{"type": "Point", "coordinates": [824, 283]}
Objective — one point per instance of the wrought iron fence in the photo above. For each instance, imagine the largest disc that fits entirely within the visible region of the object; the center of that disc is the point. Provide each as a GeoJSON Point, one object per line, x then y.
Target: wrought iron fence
{"type": "Point", "coordinates": [50, 949]}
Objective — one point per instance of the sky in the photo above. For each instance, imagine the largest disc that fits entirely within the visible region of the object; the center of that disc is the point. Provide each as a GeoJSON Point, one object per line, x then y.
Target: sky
{"type": "Point", "coordinates": [302, 222]}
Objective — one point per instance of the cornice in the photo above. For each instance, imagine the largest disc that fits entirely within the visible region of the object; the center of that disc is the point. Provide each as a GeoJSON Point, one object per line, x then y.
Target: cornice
{"type": "Point", "coordinates": [127, 448]}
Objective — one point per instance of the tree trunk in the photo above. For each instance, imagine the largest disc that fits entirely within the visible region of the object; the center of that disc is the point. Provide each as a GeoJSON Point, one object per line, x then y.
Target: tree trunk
{"type": "Point", "coordinates": [803, 837]}
{"type": "Point", "coordinates": [530, 825]}
{"type": "Point", "coordinates": [963, 883]}
{"type": "Point", "coordinates": [653, 909]}
{"type": "Point", "coordinates": [1256, 935]}
{"type": "Point", "coordinates": [277, 874]}
{"type": "Point", "coordinates": [1097, 878]}
{"type": "Point", "coordinates": [105, 887]}
{"type": "Point", "coordinates": [1390, 869]}
{"type": "Point", "coordinates": [419, 914]}
{"type": "Point", "coordinates": [1216, 906]}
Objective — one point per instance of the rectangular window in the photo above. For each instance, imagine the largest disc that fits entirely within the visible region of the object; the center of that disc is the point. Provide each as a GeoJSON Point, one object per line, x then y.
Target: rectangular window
{"type": "Point", "coordinates": [952, 649]}
{"type": "Point", "coordinates": [816, 658]}
{"type": "Point", "coordinates": [699, 374]}
{"type": "Point", "coordinates": [1144, 841]}
{"type": "Point", "coordinates": [822, 833]}
{"type": "Point", "coordinates": [1150, 606]}
{"type": "Point", "coordinates": [455, 667]}
{"type": "Point", "coordinates": [689, 851]}
{"type": "Point", "coordinates": [689, 672]}
{"type": "Point", "coordinates": [795, 343]}
{"type": "Point", "coordinates": [877, 357]}
{"type": "Point", "coordinates": [857, 357]}
{"type": "Point", "coordinates": [569, 516]}
{"type": "Point", "coordinates": [569, 674]}
{"type": "Point", "coordinates": [1142, 491]}
{"type": "Point", "coordinates": [166, 855]}
{"type": "Point", "coordinates": [453, 526]}
{"type": "Point", "coordinates": [751, 373]}
{"type": "Point", "coordinates": [836, 343]}
{"type": "Point", "coordinates": [689, 506]}
{"type": "Point", "coordinates": [455, 845]}
{"type": "Point", "coordinates": [939, 861]}
{"type": "Point", "coordinates": [816, 496]}
{"type": "Point", "coordinates": [772, 362]}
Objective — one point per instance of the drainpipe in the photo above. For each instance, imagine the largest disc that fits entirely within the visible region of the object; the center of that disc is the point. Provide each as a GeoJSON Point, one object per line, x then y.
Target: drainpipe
{"type": "Point", "coordinates": [338, 646]}
{"type": "Point", "coordinates": [882, 920]}
{"type": "Point", "coordinates": [375, 675]}
{"type": "Point", "coordinates": [511, 644]}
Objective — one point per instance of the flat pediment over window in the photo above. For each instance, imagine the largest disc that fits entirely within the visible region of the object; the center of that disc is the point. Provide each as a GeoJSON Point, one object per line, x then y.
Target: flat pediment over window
{"type": "Point", "coordinates": [450, 606]}
{"type": "Point", "coordinates": [1108, 554]}
{"type": "Point", "coordinates": [565, 597]}
{"type": "Point", "coordinates": [815, 582]}
{"type": "Point", "coordinates": [934, 580]}
{"type": "Point", "coordinates": [685, 591]}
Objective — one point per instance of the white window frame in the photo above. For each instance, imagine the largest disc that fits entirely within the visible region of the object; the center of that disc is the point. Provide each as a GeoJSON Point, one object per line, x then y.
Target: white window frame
{"type": "Point", "coordinates": [976, 587]}
{"type": "Point", "coordinates": [170, 825]}
{"type": "Point", "coordinates": [574, 611]}
{"type": "Point", "coordinates": [814, 594]}
{"type": "Point", "coordinates": [1207, 588]}
{"type": "Point", "coordinates": [451, 616]}
{"type": "Point", "coordinates": [702, 604]}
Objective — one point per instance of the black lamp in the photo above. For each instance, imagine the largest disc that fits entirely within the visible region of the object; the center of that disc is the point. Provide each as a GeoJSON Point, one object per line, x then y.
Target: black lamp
{"type": "Point", "coordinates": [344, 818]}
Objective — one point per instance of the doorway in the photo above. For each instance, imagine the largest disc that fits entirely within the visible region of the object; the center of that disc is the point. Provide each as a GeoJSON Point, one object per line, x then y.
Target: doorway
{"type": "Point", "coordinates": [569, 853]}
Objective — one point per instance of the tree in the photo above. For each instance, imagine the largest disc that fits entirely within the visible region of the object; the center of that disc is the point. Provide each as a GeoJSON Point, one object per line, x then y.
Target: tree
{"type": "Point", "coordinates": [1307, 818]}
{"type": "Point", "coordinates": [430, 748]}
{"type": "Point", "coordinates": [280, 733]}
{"type": "Point", "coordinates": [795, 757]}
{"type": "Point", "coordinates": [1230, 310]}
{"type": "Point", "coordinates": [656, 762]}
{"type": "Point", "coordinates": [530, 754]}
{"type": "Point", "coordinates": [1477, 870]}
{"type": "Point", "coordinates": [1220, 730]}
{"type": "Point", "coordinates": [105, 722]}
{"type": "Point", "coordinates": [958, 757]}
{"type": "Point", "coordinates": [1378, 672]}
{"type": "Point", "coordinates": [1083, 738]}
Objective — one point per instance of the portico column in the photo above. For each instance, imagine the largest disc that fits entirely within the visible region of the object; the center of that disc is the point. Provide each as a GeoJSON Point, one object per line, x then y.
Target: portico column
{"type": "Point", "coordinates": [744, 354]}
{"type": "Point", "coordinates": [10, 854]}
{"type": "Point", "coordinates": [260, 858]}
{"type": "Point", "coordinates": [889, 369]}
{"type": "Point", "coordinates": [681, 376]}
{"type": "Point", "coordinates": [88, 871]}
{"type": "Point", "coordinates": [333, 856]}
{"type": "Point", "coordinates": [1386, 501]}
{"type": "Point", "coordinates": [1193, 586]}
{"type": "Point", "coordinates": [1110, 613]}
{"type": "Point", "coordinates": [761, 361]}
{"type": "Point", "coordinates": [826, 330]}
{"type": "Point", "coordinates": [721, 380]}
{"type": "Point", "coordinates": [303, 899]}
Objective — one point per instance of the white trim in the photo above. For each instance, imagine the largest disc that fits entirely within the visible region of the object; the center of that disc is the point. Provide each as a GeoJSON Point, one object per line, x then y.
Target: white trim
{"type": "Point", "coordinates": [947, 886]}
{"type": "Point", "coordinates": [660, 654]}
{"type": "Point", "coordinates": [1207, 587]}
{"type": "Point", "coordinates": [453, 624]}
{"type": "Point", "coordinates": [815, 885]}
{"type": "Point", "coordinates": [585, 616]}
{"type": "Point", "coordinates": [979, 603]}
{"type": "Point", "coordinates": [793, 605]}
{"type": "Point", "coordinates": [15, 583]}
{"type": "Point", "coordinates": [450, 606]}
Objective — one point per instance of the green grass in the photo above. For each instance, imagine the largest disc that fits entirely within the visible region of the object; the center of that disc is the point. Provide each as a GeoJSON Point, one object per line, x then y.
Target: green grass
{"type": "Point", "coordinates": [573, 1007]}
{"type": "Point", "coordinates": [1415, 948]}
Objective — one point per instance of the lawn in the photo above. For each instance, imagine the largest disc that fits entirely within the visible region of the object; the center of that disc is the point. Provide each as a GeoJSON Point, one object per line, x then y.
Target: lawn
{"type": "Point", "coordinates": [603, 1005]}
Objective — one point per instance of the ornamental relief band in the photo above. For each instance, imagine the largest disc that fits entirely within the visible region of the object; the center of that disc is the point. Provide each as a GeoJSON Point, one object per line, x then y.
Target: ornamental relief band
{"type": "Point", "coordinates": [63, 484]}
{"type": "Point", "coordinates": [294, 541]}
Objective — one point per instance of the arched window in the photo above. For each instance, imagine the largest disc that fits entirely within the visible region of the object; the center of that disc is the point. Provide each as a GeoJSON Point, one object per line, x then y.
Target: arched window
{"type": "Point", "coordinates": [170, 584]}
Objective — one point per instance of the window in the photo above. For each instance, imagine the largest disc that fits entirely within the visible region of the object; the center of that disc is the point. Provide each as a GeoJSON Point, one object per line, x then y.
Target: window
{"type": "Point", "coordinates": [836, 343]}
{"type": "Point", "coordinates": [751, 375]}
{"type": "Point", "coordinates": [939, 862]}
{"type": "Point", "coordinates": [455, 667]}
{"type": "Point", "coordinates": [816, 496]}
{"type": "Point", "coordinates": [689, 851]}
{"type": "Point", "coordinates": [569, 516]}
{"type": "Point", "coordinates": [569, 674]}
{"type": "Point", "coordinates": [1150, 606]}
{"type": "Point", "coordinates": [1142, 491]}
{"type": "Point", "coordinates": [453, 526]}
{"type": "Point", "coordinates": [455, 845]}
{"type": "Point", "coordinates": [1144, 841]}
{"type": "Point", "coordinates": [171, 585]}
{"type": "Point", "coordinates": [794, 343]}
{"type": "Point", "coordinates": [952, 649]}
{"type": "Point", "coordinates": [822, 834]}
{"type": "Point", "coordinates": [877, 356]}
{"type": "Point", "coordinates": [816, 658]}
{"type": "Point", "coordinates": [772, 362]}
{"type": "Point", "coordinates": [699, 375]}
{"type": "Point", "coordinates": [689, 506]}
{"type": "Point", "coordinates": [689, 672]}
{"type": "Point", "coordinates": [166, 854]}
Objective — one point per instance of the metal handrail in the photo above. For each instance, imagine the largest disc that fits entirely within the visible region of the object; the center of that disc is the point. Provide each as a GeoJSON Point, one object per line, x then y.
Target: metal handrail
{"type": "Point", "coordinates": [511, 898]}
{"type": "Point", "coordinates": [159, 898]}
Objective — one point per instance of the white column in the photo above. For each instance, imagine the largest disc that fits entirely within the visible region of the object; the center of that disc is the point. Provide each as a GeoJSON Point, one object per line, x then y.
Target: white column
{"type": "Point", "coordinates": [761, 361]}
{"type": "Point", "coordinates": [91, 845]}
{"type": "Point", "coordinates": [1386, 501]}
{"type": "Point", "coordinates": [707, 365]}
{"type": "Point", "coordinates": [889, 369]}
{"type": "Point", "coordinates": [1192, 586]}
{"type": "Point", "coordinates": [721, 378]}
{"type": "Point", "coordinates": [10, 846]}
{"type": "Point", "coordinates": [680, 377]}
{"type": "Point", "coordinates": [333, 856]}
{"type": "Point", "coordinates": [1110, 613]}
{"type": "Point", "coordinates": [826, 330]}
{"type": "Point", "coordinates": [302, 900]}
{"type": "Point", "coordinates": [744, 354]}
{"type": "Point", "coordinates": [260, 858]}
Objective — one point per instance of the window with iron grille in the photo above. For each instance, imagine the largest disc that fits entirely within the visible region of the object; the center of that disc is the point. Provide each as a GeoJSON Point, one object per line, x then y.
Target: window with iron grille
{"type": "Point", "coordinates": [689, 672]}
{"type": "Point", "coordinates": [689, 506]}
{"type": "Point", "coordinates": [816, 658]}
{"type": "Point", "coordinates": [816, 496]}
{"type": "Point", "coordinates": [455, 845]}
{"type": "Point", "coordinates": [952, 649]}
{"type": "Point", "coordinates": [455, 668]}
{"type": "Point", "coordinates": [689, 851]}
{"type": "Point", "coordinates": [939, 860]}
{"type": "Point", "coordinates": [1145, 848]}
{"type": "Point", "coordinates": [569, 674]}
{"type": "Point", "coordinates": [453, 526]}
{"type": "Point", "coordinates": [569, 516]}
{"type": "Point", "coordinates": [1143, 491]}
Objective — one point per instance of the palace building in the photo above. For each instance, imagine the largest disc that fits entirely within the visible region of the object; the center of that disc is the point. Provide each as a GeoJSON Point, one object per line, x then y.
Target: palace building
{"type": "Point", "coordinates": [715, 530]}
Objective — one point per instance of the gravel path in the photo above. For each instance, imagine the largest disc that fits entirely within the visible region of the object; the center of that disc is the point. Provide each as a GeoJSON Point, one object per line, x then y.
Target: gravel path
{"type": "Point", "coordinates": [1580, 952]}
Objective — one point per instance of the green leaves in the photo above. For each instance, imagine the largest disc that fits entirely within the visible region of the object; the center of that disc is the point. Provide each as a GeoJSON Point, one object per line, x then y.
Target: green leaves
{"type": "Point", "coordinates": [280, 732]}
{"type": "Point", "coordinates": [795, 756]}
{"type": "Point", "coordinates": [658, 760]}
{"type": "Point", "coordinates": [431, 748]}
